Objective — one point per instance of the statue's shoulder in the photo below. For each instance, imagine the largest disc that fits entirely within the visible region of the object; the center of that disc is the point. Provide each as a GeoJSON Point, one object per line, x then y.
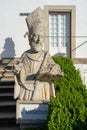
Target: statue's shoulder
{"type": "Point", "coordinates": [27, 52]}
{"type": "Point", "coordinates": [45, 52]}
{"type": "Point", "coordinates": [47, 55]}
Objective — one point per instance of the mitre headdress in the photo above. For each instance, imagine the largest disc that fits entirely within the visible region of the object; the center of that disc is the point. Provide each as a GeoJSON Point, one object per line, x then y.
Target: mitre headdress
{"type": "Point", "coordinates": [35, 22]}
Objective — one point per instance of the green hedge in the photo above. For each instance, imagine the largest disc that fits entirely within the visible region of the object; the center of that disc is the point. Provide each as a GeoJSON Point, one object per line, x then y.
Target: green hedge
{"type": "Point", "coordinates": [68, 111]}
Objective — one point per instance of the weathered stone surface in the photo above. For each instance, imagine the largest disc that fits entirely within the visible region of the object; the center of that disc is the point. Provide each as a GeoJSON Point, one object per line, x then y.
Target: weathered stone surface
{"type": "Point", "coordinates": [36, 70]}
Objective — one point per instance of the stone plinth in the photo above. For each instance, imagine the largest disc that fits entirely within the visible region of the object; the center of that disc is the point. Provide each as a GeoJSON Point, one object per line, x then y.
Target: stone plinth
{"type": "Point", "coordinates": [31, 112]}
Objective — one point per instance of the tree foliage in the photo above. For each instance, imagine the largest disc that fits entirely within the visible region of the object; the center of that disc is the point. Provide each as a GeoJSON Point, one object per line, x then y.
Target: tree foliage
{"type": "Point", "coordinates": [68, 111]}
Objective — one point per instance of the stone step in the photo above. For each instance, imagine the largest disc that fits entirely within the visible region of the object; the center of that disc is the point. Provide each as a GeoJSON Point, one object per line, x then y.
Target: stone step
{"type": "Point", "coordinates": [7, 87]}
{"type": "Point", "coordinates": [9, 124]}
{"type": "Point", "coordinates": [7, 103]}
{"type": "Point", "coordinates": [9, 62]}
{"type": "Point", "coordinates": [6, 90]}
{"type": "Point", "coordinates": [6, 60]}
{"type": "Point", "coordinates": [6, 69]}
{"type": "Point", "coordinates": [1, 68]}
{"type": "Point", "coordinates": [8, 78]}
{"type": "Point", "coordinates": [1, 75]}
{"type": "Point", "coordinates": [8, 73]}
{"type": "Point", "coordinates": [7, 115]}
{"type": "Point", "coordinates": [7, 98]}
{"type": "Point", "coordinates": [4, 83]}
{"type": "Point", "coordinates": [4, 109]}
{"type": "Point", "coordinates": [6, 94]}
{"type": "Point", "coordinates": [10, 128]}
{"type": "Point", "coordinates": [6, 65]}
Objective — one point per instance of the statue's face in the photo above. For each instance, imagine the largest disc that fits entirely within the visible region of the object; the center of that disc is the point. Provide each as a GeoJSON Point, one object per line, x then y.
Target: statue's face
{"type": "Point", "coordinates": [35, 42]}
{"type": "Point", "coordinates": [36, 47]}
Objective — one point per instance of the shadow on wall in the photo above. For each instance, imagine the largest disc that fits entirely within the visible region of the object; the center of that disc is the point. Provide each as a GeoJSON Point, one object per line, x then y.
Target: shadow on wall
{"type": "Point", "coordinates": [39, 113]}
{"type": "Point", "coordinates": [59, 54]}
{"type": "Point", "coordinates": [9, 49]}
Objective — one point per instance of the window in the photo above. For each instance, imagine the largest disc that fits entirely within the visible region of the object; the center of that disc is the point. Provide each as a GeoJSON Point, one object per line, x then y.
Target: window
{"type": "Point", "coordinates": [60, 29]}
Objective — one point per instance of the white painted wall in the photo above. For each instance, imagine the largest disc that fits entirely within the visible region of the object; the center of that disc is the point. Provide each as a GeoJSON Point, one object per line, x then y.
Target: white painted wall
{"type": "Point", "coordinates": [14, 26]}
{"type": "Point", "coordinates": [83, 72]}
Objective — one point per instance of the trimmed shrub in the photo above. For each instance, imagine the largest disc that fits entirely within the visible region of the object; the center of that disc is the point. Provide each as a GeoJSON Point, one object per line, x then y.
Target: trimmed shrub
{"type": "Point", "coordinates": [68, 111]}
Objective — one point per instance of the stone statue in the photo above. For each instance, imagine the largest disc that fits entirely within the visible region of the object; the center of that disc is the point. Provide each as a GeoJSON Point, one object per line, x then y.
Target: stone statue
{"type": "Point", "coordinates": [36, 70]}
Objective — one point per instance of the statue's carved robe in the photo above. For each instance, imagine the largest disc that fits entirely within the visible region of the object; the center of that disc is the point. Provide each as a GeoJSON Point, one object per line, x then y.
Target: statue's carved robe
{"type": "Point", "coordinates": [34, 80]}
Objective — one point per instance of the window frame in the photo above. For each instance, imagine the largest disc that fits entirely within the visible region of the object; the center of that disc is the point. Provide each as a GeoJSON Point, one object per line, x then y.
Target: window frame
{"type": "Point", "coordinates": [61, 9]}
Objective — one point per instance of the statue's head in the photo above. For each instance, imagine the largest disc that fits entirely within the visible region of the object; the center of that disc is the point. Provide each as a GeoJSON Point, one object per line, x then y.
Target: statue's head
{"type": "Point", "coordinates": [35, 22]}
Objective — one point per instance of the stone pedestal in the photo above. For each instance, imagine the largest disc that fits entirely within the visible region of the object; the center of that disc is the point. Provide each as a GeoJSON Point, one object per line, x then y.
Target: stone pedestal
{"type": "Point", "coordinates": [31, 113]}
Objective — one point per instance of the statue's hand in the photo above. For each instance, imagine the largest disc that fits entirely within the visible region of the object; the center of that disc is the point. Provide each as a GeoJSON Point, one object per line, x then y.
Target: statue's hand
{"type": "Point", "coordinates": [17, 68]}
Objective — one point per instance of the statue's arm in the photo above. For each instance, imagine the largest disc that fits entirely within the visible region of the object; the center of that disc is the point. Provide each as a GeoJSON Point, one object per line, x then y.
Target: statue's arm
{"type": "Point", "coordinates": [55, 69]}
{"type": "Point", "coordinates": [18, 66]}
{"type": "Point", "coordinates": [49, 70]}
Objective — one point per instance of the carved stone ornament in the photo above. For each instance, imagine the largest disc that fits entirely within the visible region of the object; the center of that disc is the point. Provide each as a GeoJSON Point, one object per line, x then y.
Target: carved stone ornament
{"type": "Point", "coordinates": [36, 71]}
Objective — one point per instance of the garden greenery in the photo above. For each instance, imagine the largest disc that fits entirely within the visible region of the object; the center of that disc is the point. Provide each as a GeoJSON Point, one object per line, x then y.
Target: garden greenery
{"type": "Point", "coordinates": [68, 111]}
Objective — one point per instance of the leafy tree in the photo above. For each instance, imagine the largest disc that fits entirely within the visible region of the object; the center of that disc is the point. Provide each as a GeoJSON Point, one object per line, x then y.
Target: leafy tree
{"type": "Point", "coordinates": [68, 111]}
